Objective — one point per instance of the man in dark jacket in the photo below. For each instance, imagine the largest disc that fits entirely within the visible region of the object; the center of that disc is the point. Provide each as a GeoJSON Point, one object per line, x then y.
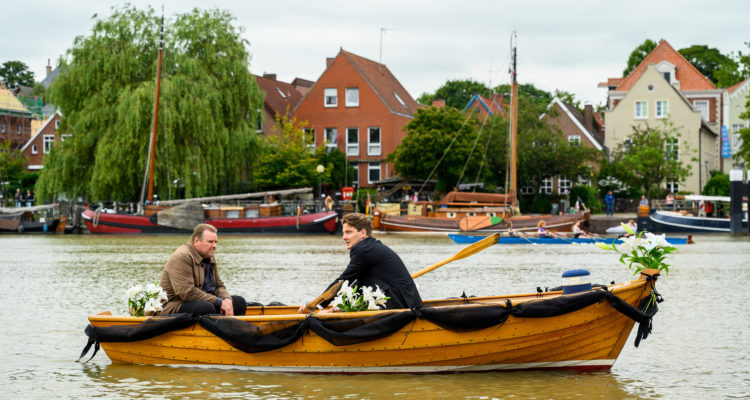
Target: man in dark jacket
{"type": "Point", "coordinates": [373, 263]}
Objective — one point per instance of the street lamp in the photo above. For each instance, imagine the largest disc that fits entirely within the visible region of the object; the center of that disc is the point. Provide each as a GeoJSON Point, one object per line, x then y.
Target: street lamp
{"type": "Point", "coordinates": [320, 170]}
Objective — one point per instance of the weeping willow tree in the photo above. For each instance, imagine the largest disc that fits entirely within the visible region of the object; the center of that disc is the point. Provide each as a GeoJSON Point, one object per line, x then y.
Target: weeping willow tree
{"type": "Point", "coordinates": [208, 107]}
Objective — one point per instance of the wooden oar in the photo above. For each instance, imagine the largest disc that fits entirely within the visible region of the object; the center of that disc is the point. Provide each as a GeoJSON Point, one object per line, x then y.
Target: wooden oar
{"type": "Point", "coordinates": [465, 252]}
{"type": "Point", "coordinates": [327, 295]}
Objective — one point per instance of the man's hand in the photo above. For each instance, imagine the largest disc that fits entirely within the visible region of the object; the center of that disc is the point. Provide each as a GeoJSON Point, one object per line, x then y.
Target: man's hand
{"type": "Point", "coordinates": [302, 310]}
{"type": "Point", "coordinates": [227, 308]}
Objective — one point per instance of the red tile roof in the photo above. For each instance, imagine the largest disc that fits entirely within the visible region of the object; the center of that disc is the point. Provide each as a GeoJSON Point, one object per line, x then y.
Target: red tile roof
{"type": "Point", "coordinates": [385, 85]}
{"type": "Point", "coordinates": [688, 76]}
{"type": "Point", "coordinates": [734, 87]}
{"type": "Point", "coordinates": [280, 97]}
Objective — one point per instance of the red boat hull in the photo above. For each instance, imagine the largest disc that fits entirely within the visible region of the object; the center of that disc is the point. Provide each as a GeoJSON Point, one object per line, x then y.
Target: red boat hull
{"type": "Point", "coordinates": [322, 222]}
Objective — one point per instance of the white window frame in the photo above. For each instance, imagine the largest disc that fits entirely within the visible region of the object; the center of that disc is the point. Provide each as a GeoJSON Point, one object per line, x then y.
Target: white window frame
{"type": "Point", "coordinates": [641, 112]}
{"type": "Point", "coordinates": [702, 108]}
{"type": "Point", "coordinates": [19, 129]}
{"type": "Point", "coordinates": [330, 98]}
{"type": "Point", "coordinates": [34, 149]}
{"type": "Point", "coordinates": [57, 124]}
{"type": "Point", "coordinates": [672, 149]}
{"type": "Point", "coordinates": [574, 139]}
{"type": "Point", "coordinates": [527, 189]}
{"type": "Point", "coordinates": [563, 184]}
{"type": "Point", "coordinates": [374, 148]}
{"type": "Point", "coordinates": [330, 138]}
{"type": "Point", "coordinates": [259, 126]}
{"type": "Point", "coordinates": [545, 186]}
{"type": "Point", "coordinates": [737, 127]}
{"type": "Point", "coordinates": [309, 133]}
{"type": "Point", "coordinates": [352, 148]}
{"type": "Point", "coordinates": [673, 186]}
{"type": "Point", "coordinates": [373, 166]}
{"type": "Point", "coordinates": [65, 137]}
{"type": "Point", "coordinates": [400, 100]}
{"type": "Point", "coordinates": [355, 181]}
{"type": "Point", "coordinates": [352, 97]}
{"type": "Point", "coordinates": [48, 141]}
{"type": "Point", "coordinates": [282, 94]}
{"type": "Point", "coordinates": [662, 109]}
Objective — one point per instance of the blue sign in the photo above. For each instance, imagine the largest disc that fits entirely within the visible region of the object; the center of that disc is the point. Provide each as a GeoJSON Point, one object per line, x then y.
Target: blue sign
{"type": "Point", "coordinates": [726, 148]}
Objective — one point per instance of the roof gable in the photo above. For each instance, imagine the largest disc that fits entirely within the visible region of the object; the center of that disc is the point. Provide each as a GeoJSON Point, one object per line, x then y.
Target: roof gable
{"type": "Point", "coordinates": [49, 120]}
{"type": "Point", "coordinates": [576, 117]}
{"type": "Point", "coordinates": [280, 97]}
{"type": "Point", "coordinates": [492, 106]}
{"type": "Point", "coordinates": [685, 73]}
{"type": "Point", "coordinates": [10, 104]}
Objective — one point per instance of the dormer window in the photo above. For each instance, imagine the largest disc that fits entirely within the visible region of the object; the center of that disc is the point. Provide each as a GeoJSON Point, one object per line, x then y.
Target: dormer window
{"type": "Point", "coordinates": [668, 77]}
{"type": "Point", "coordinates": [667, 70]}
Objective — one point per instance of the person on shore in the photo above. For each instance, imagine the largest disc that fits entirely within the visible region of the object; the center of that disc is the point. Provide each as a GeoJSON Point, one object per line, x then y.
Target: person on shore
{"type": "Point", "coordinates": [18, 197]}
{"type": "Point", "coordinates": [609, 199]}
{"type": "Point", "coordinates": [644, 201]}
{"type": "Point", "coordinates": [192, 282]}
{"type": "Point", "coordinates": [29, 198]}
{"type": "Point", "coordinates": [669, 202]}
{"type": "Point", "coordinates": [372, 263]}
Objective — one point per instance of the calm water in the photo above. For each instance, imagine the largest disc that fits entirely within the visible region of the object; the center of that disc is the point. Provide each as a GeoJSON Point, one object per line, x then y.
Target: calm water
{"type": "Point", "coordinates": [699, 347]}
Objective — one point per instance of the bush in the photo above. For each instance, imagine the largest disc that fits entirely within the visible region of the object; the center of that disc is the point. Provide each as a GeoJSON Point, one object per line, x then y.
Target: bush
{"type": "Point", "coordinates": [718, 185]}
{"type": "Point", "coordinates": [542, 205]}
{"type": "Point", "coordinates": [586, 194]}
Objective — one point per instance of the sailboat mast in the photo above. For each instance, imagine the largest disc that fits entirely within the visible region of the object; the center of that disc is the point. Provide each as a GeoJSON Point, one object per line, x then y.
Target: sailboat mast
{"type": "Point", "coordinates": [152, 146]}
{"type": "Point", "coordinates": [513, 124]}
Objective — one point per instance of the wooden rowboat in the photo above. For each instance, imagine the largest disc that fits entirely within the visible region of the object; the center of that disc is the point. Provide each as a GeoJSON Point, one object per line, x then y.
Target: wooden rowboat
{"type": "Point", "coordinates": [467, 239]}
{"type": "Point", "coordinates": [580, 331]}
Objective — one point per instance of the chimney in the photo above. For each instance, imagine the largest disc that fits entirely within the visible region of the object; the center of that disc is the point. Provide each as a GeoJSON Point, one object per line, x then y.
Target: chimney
{"type": "Point", "coordinates": [269, 76]}
{"type": "Point", "coordinates": [49, 68]}
{"type": "Point", "coordinates": [329, 61]}
{"type": "Point", "coordinates": [588, 117]}
{"type": "Point", "coordinates": [439, 103]}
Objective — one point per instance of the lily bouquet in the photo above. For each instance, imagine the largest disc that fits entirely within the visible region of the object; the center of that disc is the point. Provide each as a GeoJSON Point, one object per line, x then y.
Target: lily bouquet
{"type": "Point", "coordinates": [641, 251]}
{"type": "Point", "coordinates": [349, 299]}
{"type": "Point", "coordinates": [145, 300]}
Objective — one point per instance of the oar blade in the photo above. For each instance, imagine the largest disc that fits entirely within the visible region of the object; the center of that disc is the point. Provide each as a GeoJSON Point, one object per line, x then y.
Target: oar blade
{"type": "Point", "coordinates": [477, 247]}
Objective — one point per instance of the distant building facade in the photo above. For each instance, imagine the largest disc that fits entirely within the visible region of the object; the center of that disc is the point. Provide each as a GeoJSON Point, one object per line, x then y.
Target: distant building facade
{"type": "Point", "coordinates": [735, 103]}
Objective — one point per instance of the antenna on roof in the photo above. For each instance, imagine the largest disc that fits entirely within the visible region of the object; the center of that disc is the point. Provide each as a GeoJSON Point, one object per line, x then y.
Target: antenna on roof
{"type": "Point", "coordinates": [380, 61]}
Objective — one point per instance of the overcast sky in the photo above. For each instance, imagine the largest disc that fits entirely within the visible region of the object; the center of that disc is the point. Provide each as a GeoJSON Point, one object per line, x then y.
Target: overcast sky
{"type": "Point", "coordinates": [569, 45]}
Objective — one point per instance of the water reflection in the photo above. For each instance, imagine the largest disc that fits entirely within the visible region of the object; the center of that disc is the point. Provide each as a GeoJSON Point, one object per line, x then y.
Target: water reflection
{"type": "Point", "coordinates": [128, 381]}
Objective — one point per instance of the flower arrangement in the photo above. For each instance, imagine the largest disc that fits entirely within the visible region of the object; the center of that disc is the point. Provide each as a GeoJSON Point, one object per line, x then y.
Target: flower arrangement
{"type": "Point", "coordinates": [646, 250]}
{"type": "Point", "coordinates": [145, 300]}
{"type": "Point", "coordinates": [348, 299]}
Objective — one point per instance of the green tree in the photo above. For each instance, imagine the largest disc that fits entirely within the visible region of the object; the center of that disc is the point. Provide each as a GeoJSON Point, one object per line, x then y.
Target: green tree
{"type": "Point", "coordinates": [706, 59]}
{"type": "Point", "coordinates": [208, 107]}
{"type": "Point", "coordinates": [744, 152]}
{"type": "Point", "coordinates": [441, 139]}
{"type": "Point", "coordinates": [638, 54]}
{"type": "Point", "coordinates": [648, 154]}
{"type": "Point", "coordinates": [540, 98]}
{"type": "Point", "coordinates": [285, 159]}
{"type": "Point", "coordinates": [456, 93]}
{"type": "Point", "coordinates": [11, 169]}
{"type": "Point", "coordinates": [734, 71]}
{"type": "Point", "coordinates": [14, 73]}
{"type": "Point", "coordinates": [718, 185]}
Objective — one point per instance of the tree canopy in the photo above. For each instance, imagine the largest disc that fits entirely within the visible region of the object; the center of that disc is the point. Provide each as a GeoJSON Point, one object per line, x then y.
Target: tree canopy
{"type": "Point", "coordinates": [648, 153]}
{"type": "Point", "coordinates": [208, 107]}
{"type": "Point", "coordinates": [14, 73]}
{"type": "Point", "coordinates": [707, 60]}
{"type": "Point", "coordinates": [638, 54]}
{"type": "Point", "coordinates": [456, 93]}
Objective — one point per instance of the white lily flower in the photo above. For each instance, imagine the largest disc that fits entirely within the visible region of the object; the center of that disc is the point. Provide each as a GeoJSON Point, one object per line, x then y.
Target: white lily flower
{"type": "Point", "coordinates": [133, 291]}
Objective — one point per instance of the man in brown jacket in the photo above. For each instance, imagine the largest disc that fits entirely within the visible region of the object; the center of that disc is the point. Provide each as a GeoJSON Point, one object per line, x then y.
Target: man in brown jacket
{"type": "Point", "coordinates": [192, 282]}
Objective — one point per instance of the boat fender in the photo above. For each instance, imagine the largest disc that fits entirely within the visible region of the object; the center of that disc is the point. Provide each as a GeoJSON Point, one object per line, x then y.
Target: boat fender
{"type": "Point", "coordinates": [576, 280]}
{"type": "Point", "coordinates": [329, 203]}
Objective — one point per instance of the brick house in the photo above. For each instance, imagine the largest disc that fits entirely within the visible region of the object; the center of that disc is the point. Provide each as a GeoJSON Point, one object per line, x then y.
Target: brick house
{"type": "Point", "coordinates": [279, 99]}
{"type": "Point", "coordinates": [583, 128]}
{"type": "Point", "coordinates": [359, 107]}
{"type": "Point", "coordinates": [15, 120]}
{"type": "Point", "coordinates": [665, 87]}
{"type": "Point", "coordinates": [41, 142]}
{"type": "Point", "coordinates": [481, 105]}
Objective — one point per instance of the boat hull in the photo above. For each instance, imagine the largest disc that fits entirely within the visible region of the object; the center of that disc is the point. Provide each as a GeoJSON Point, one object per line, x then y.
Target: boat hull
{"type": "Point", "coordinates": [522, 223]}
{"type": "Point", "coordinates": [671, 221]}
{"type": "Point", "coordinates": [590, 338]}
{"type": "Point", "coordinates": [134, 224]}
{"type": "Point", "coordinates": [468, 239]}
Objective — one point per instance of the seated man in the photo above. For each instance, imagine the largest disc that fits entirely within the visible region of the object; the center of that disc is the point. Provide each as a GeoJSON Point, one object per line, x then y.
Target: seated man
{"type": "Point", "coordinates": [192, 282]}
{"type": "Point", "coordinates": [372, 263]}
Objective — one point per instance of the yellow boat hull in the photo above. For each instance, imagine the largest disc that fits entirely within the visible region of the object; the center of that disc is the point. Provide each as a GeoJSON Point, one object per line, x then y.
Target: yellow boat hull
{"type": "Point", "coordinates": [590, 338]}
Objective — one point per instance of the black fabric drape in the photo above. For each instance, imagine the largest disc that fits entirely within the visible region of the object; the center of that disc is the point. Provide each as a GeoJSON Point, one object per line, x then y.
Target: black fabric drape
{"type": "Point", "coordinates": [557, 305]}
{"type": "Point", "coordinates": [252, 338]}
{"type": "Point", "coordinates": [351, 331]}
{"type": "Point", "coordinates": [466, 318]}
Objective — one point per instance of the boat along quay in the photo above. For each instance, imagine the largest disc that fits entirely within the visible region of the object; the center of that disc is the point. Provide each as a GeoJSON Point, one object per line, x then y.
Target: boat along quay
{"type": "Point", "coordinates": [697, 347]}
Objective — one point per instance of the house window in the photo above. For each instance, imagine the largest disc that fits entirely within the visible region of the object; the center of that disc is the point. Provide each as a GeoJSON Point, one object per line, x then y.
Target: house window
{"type": "Point", "coordinates": [331, 99]}
{"type": "Point", "coordinates": [310, 139]}
{"type": "Point", "coordinates": [352, 97]}
{"type": "Point", "coordinates": [283, 96]}
{"type": "Point", "coordinates": [563, 185]}
{"type": "Point", "coordinates": [574, 139]}
{"type": "Point", "coordinates": [399, 99]}
{"type": "Point", "coordinates": [57, 124]}
{"type": "Point", "coordinates": [259, 122]}
{"type": "Point", "coordinates": [355, 181]}
{"type": "Point", "coordinates": [672, 149]}
{"type": "Point", "coordinates": [527, 189]}
{"type": "Point", "coordinates": [373, 141]}
{"type": "Point", "coordinates": [2, 126]}
{"type": "Point", "coordinates": [48, 140]}
{"type": "Point", "coordinates": [330, 138]}
{"type": "Point", "coordinates": [352, 141]}
{"type": "Point", "coordinates": [546, 186]}
{"type": "Point", "coordinates": [65, 137]}
{"type": "Point", "coordinates": [662, 109]}
{"type": "Point", "coordinates": [673, 186]}
{"type": "Point", "coordinates": [34, 149]}
{"type": "Point", "coordinates": [737, 127]}
{"type": "Point", "coordinates": [640, 109]}
{"type": "Point", "coordinates": [19, 129]}
{"type": "Point", "coordinates": [668, 77]}
{"type": "Point", "coordinates": [702, 107]}
{"type": "Point", "coordinates": [373, 172]}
